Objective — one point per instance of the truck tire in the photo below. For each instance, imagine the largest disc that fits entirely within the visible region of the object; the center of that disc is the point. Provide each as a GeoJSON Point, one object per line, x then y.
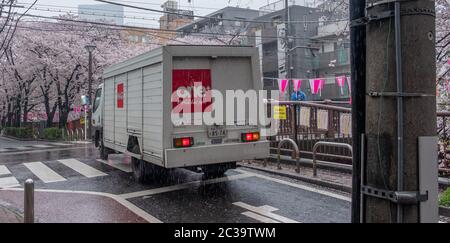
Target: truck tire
{"type": "Point", "coordinates": [139, 169]}
{"type": "Point", "coordinates": [157, 173]}
{"type": "Point", "coordinates": [103, 152]}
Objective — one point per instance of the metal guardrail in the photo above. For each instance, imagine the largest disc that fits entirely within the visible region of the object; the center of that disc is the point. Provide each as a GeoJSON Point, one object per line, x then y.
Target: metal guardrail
{"type": "Point", "coordinates": [327, 144]}
{"type": "Point", "coordinates": [29, 201]}
{"type": "Point", "coordinates": [295, 153]}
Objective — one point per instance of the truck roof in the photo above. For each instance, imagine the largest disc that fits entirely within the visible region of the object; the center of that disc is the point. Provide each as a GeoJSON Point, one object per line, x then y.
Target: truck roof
{"type": "Point", "coordinates": [157, 55]}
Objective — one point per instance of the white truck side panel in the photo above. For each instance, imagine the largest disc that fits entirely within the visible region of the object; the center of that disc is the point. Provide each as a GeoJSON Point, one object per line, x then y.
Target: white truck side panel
{"type": "Point", "coordinates": [120, 114]}
{"type": "Point", "coordinates": [109, 96]}
{"type": "Point", "coordinates": [134, 102]}
{"type": "Point", "coordinates": [153, 110]}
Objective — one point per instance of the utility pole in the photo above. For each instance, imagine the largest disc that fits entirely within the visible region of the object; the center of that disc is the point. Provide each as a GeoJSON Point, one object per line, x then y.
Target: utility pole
{"type": "Point", "coordinates": [400, 111]}
{"type": "Point", "coordinates": [358, 84]}
{"type": "Point", "coordinates": [90, 49]}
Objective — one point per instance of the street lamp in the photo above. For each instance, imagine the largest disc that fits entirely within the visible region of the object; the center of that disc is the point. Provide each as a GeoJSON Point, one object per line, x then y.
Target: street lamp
{"type": "Point", "coordinates": [90, 48]}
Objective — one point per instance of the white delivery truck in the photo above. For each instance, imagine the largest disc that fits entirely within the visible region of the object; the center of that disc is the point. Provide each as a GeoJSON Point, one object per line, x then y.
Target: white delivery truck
{"type": "Point", "coordinates": [132, 110]}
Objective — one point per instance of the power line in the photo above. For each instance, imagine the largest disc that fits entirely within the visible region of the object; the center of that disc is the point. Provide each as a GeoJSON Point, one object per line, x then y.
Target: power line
{"type": "Point", "coordinates": [84, 35]}
{"type": "Point", "coordinates": [159, 30]}
{"type": "Point", "coordinates": [94, 14]}
{"type": "Point", "coordinates": [214, 18]}
{"type": "Point", "coordinates": [95, 9]}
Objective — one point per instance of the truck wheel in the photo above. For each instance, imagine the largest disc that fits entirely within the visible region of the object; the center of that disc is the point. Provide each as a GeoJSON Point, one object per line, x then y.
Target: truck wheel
{"type": "Point", "coordinates": [157, 173]}
{"type": "Point", "coordinates": [138, 167]}
{"type": "Point", "coordinates": [103, 152]}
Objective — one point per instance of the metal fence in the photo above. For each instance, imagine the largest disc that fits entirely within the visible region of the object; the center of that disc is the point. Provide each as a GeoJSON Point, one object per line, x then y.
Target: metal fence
{"type": "Point", "coordinates": [310, 122]}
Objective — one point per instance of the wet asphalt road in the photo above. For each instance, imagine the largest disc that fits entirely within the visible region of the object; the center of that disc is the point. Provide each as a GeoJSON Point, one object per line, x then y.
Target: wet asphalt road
{"type": "Point", "coordinates": [243, 196]}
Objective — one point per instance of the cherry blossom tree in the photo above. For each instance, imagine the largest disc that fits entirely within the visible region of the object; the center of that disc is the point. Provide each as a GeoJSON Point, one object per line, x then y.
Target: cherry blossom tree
{"type": "Point", "coordinates": [46, 66]}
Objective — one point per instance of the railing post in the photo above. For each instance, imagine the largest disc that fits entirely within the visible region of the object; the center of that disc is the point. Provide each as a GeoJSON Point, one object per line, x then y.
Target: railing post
{"type": "Point", "coordinates": [29, 201]}
{"type": "Point", "coordinates": [328, 144]}
{"type": "Point", "coordinates": [295, 153]}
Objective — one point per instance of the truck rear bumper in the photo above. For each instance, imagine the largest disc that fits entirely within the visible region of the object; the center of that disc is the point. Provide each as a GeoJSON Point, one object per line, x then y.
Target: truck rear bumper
{"type": "Point", "coordinates": [213, 154]}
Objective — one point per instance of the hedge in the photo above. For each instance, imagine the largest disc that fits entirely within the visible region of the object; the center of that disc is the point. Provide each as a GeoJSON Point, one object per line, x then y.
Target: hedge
{"type": "Point", "coordinates": [444, 200]}
{"type": "Point", "coordinates": [52, 133]}
{"type": "Point", "coordinates": [19, 132]}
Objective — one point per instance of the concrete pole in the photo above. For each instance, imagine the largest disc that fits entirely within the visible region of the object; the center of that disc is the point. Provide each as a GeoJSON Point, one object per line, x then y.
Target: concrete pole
{"type": "Point", "coordinates": [408, 68]}
{"type": "Point", "coordinates": [358, 70]}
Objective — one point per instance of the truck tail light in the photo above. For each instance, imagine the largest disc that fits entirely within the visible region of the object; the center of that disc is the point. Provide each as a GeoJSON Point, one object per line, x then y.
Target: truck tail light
{"type": "Point", "coordinates": [183, 142]}
{"type": "Point", "coordinates": [250, 137]}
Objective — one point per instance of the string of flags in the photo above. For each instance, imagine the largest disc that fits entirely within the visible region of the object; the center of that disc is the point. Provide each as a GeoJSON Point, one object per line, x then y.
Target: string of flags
{"type": "Point", "coordinates": [316, 85]}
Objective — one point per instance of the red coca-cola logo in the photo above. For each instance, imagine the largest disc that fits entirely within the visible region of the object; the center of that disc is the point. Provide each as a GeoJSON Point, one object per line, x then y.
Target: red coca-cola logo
{"type": "Point", "coordinates": [120, 95]}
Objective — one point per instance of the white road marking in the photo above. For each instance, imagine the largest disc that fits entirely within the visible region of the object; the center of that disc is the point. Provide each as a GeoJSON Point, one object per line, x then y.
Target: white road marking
{"type": "Point", "coordinates": [4, 170]}
{"type": "Point", "coordinates": [133, 208]}
{"type": "Point", "coordinates": [4, 150]}
{"type": "Point", "coordinates": [303, 187]}
{"type": "Point", "coordinates": [43, 172]}
{"type": "Point", "coordinates": [22, 148]}
{"type": "Point", "coordinates": [41, 151]}
{"type": "Point", "coordinates": [183, 186]}
{"type": "Point", "coordinates": [61, 144]}
{"type": "Point", "coordinates": [8, 182]}
{"type": "Point", "coordinates": [42, 146]}
{"type": "Point", "coordinates": [263, 211]}
{"type": "Point", "coordinates": [81, 142]}
{"type": "Point", "coordinates": [259, 217]}
{"type": "Point", "coordinates": [117, 164]}
{"type": "Point", "coordinates": [82, 168]}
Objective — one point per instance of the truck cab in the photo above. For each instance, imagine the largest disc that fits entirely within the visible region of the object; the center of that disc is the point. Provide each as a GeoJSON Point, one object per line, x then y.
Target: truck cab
{"type": "Point", "coordinates": [97, 110]}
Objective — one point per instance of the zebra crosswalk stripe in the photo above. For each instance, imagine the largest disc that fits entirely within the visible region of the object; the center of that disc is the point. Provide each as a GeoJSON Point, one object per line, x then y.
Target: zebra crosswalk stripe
{"type": "Point", "coordinates": [43, 172]}
{"type": "Point", "coordinates": [4, 170]}
{"type": "Point", "coordinates": [82, 168]}
{"type": "Point", "coordinates": [42, 146]}
{"type": "Point", "coordinates": [8, 182]}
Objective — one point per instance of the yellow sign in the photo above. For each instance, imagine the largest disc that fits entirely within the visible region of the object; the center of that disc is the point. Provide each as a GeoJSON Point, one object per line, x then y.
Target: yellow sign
{"type": "Point", "coordinates": [82, 120]}
{"type": "Point", "coordinates": [279, 112]}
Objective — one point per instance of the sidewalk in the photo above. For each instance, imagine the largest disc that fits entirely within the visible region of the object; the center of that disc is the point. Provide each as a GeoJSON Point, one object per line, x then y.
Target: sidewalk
{"type": "Point", "coordinates": [9, 214]}
{"type": "Point", "coordinates": [55, 206]}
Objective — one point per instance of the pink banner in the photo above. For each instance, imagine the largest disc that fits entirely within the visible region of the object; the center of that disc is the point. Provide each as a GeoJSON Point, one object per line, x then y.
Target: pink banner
{"type": "Point", "coordinates": [316, 85]}
{"type": "Point", "coordinates": [297, 84]}
{"type": "Point", "coordinates": [349, 82]}
{"type": "Point", "coordinates": [282, 85]}
{"type": "Point", "coordinates": [341, 83]}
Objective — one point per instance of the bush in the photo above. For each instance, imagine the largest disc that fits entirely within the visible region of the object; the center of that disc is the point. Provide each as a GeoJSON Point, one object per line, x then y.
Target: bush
{"type": "Point", "coordinates": [19, 132]}
{"type": "Point", "coordinates": [444, 200]}
{"type": "Point", "coordinates": [52, 133]}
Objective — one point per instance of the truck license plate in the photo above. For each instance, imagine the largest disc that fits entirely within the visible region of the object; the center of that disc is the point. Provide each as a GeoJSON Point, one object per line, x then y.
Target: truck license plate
{"type": "Point", "coordinates": [217, 132]}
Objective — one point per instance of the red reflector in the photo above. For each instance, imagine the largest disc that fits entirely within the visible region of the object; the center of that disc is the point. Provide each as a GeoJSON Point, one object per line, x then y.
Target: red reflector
{"type": "Point", "coordinates": [186, 142]}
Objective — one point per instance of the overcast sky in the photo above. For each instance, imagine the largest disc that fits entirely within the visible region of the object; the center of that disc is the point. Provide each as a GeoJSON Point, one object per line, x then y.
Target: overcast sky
{"type": "Point", "coordinates": [200, 7]}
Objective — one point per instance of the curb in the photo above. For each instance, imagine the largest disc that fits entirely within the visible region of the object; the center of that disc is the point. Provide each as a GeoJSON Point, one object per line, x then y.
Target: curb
{"type": "Point", "coordinates": [31, 139]}
{"type": "Point", "coordinates": [10, 209]}
{"type": "Point", "coordinates": [444, 211]}
{"type": "Point", "coordinates": [308, 163]}
{"type": "Point", "coordinates": [319, 182]}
